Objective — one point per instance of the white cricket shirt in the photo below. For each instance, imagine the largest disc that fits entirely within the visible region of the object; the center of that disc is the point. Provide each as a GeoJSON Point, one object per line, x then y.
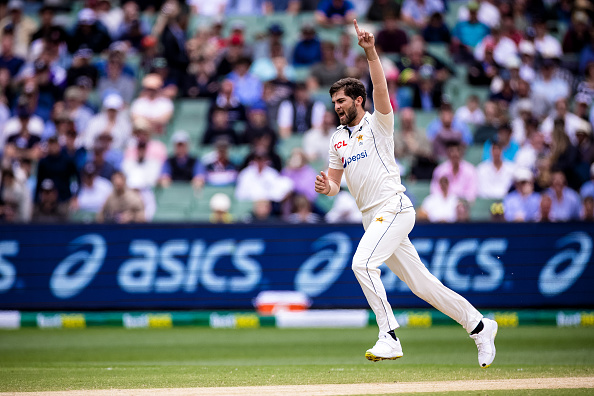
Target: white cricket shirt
{"type": "Point", "coordinates": [366, 154]}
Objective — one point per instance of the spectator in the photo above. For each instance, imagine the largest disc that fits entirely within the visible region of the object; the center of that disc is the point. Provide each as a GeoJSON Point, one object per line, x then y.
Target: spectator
{"type": "Point", "coordinates": [427, 93]}
{"type": "Point", "coordinates": [547, 87]}
{"type": "Point", "coordinates": [113, 121]}
{"type": "Point", "coordinates": [261, 213]}
{"type": "Point", "coordinates": [133, 28]}
{"type": "Point", "coordinates": [23, 144]}
{"type": "Point", "coordinates": [174, 20]}
{"type": "Point", "coordinates": [482, 72]}
{"type": "Point", "coordinates": [546, 205]}
{"type": "Point", "coordinates": [82, 66]}
{"type": "Point", "coordinates": [111, 17]}
{"type": "Point", "coordinates": [88, 33]}
{"type": "Point", "coordinates": [142, 133]}
{"type": "Point", "coordinates": [577, 37]}
{"type": "Point", "coordinates": [487, 14]}
{"type": "Point", "coordinates": [24, 118]}
{"type": "Point", "coordinates": [522, 204]}
{"type": "Point", "coordinates": [219, 127]}
{"type": "Point", "coordinates": [75, 108]}
{"type": "Point", "coordinates": [308, 49]}
{"type": "Point", "coordinates": [259, 181]}
{"type": "Point", "coordinates": [21, 26]}
{"type": "Point", "coordinates": [510, 148]}
{"type": "Point", "coordinates": [520, 122]}
{"type": "Point", "coordinates": [47, 27]}
{"type": "Point", "coordinates": [391, 39]}
{"type": "Point", "coordinates": [263, 144]}
{"type": "Point", "coordinates": [15, 196]}
{"type": "Point", "coordinates": [544, 42]}
{"type": "Point", "coordinates": [102, 158]}
{"type": "Point", "coordinates": [220, 170]}
{"type": "Point", "coordinates": [151, 105]}
{"type": "Point", "coordinates": [266, 42]}
{"type": "Point", "coordinates": [564, 155]}
{"type": "Point", "coordinates": [301, 173]}
{"type": "Point", "coordinates": [344, 209]}
{"type": "Point", "coordinates": [300, 114]}
{"type": "Point", "coordinates": [566, 203]}
{"type": "Point", "coordinates": [115, 81]}
{"type": "Point", "coordinates": [467, 34]}
{"type": "Point", "coordinates": [93, 192]}
{"type": "Point", "coordinates": [234, 51]}
{"type": "Point", "coordinates": [527, 54]}
{"type": "Point", "coordinates": [495, 175]}
{"type": "Point", "coordinates": [571, 121]}
{"type": "Point", "coordinates": [439, 206]}
{"type": "Point", "coordinates": [444, 131]}
{"type": "Point", "coordinates": [587, 189]}
{"type": "Point", "coordinates": [413, 147]}
{"type": "Point", "coordinates": [585, 149]}
{"type": "Point", "coordinates": [582, 104]}
{"type": "Point", "coordinates": [8, 58]}
{"type": "Point", "coordinates": [335, 13]}
{"type": "Point", "coordinates": [378, 10]}
{"type": "Point", "coordinates": [416, 13]}
{"type": "Point", "coordinates": [345, 51]}
{"type": "Point", "coordinates": [142, 173]}
{"type": "Point", "coordinates": [436, 30]}
{"type": "Point", "coordinates": [302, 213]}
{"type": "Point", "coordinates": [585, 88]}
{"type": "Point", "coordinates": [219, 207]}
{"type": "Point", "coordinates": [49, 209]}
{"type": "Point", "coordinates": [503, 47]}
{"type": "Point", "coordinates": [329, 70]}
{"type": "Point", "coordinates": [123, 205]}
{"type": "Point", "coordinates": [181, 166]}
{"type": "Point", "coordinates": [533, 148]}
{"type": "Point", "coordinates": [201, 81]}
{"type": "Point", "coordinates": [258, 125]}
{"type": "Point", "coordinates": [460, 173]}
{"type": "Point", "coordinates": [75, 152]}
{"type": "Point", "coordinates": [317, 140]}
{"type": "Point", "coordinates": [471, 113]}
{"type": "Point", "coordinates": [228, 100]}
{"type": "Point", "coordinates": [247, 87]}
{"type": "Point", "coordinates": [587, 213]}
{"type": "Point", "coordinates": [59, 168]}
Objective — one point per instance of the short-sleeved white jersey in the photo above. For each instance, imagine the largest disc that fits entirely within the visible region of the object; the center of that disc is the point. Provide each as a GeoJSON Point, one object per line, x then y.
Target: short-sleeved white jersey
{"type": "Point", "coordinates": [366, 154]}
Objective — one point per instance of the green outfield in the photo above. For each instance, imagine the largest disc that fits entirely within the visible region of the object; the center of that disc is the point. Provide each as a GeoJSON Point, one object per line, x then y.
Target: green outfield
{"type": "Point", "coordinates": [103, 358]}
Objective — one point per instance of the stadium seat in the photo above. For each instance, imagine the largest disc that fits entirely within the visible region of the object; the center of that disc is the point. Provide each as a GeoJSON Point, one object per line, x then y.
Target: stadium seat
{"type": "Point", "coordinates": [417, 191]}
{"type": "Point", "coordinates": [481, 209]}
{"type": "Point", "coordinates": [474, 154]}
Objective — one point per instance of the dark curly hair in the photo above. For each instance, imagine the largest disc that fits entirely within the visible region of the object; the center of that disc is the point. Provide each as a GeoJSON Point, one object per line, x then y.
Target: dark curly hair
{"type": "Point", "coordinates": [353, 88]}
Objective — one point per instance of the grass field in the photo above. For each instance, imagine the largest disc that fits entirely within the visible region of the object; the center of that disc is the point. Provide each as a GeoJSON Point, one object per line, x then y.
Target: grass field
{"type": "Point", "coordinates": [104, 358]}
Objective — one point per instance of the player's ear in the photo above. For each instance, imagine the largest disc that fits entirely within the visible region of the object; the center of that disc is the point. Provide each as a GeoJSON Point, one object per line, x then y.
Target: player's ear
{"type": "Point", "coordinates": [359, 101]}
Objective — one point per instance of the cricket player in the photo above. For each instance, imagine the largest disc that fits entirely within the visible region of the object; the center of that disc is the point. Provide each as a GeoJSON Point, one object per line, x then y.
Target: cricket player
{"type": "Point", "coordinates": [363, 149]}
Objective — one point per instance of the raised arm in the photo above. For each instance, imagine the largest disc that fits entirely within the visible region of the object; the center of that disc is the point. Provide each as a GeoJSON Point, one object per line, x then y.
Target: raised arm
{"type": "Point", "coordinates": [381, 99]}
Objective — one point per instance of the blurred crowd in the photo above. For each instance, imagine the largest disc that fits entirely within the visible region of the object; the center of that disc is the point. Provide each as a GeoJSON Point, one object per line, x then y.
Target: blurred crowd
{"type": "Point", "coordinates": [88, 93]}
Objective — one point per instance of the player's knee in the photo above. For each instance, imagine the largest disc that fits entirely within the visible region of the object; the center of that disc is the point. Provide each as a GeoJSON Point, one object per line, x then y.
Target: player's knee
{"type": "Point", "coordinates": [359, 263]}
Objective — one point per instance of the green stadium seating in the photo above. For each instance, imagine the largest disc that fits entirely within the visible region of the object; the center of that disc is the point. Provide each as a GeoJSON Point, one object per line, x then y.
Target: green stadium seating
{"type": "Point", "coordinates": [418, 190]}
{"type": "Point", "coordinates": [474, 154]}
{"type": "Point", "coordinates": [481, 209]}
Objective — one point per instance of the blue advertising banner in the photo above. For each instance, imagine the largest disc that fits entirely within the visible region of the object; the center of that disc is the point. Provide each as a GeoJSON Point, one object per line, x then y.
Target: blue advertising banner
{"type": "Point", "coordinates": [189, 266]}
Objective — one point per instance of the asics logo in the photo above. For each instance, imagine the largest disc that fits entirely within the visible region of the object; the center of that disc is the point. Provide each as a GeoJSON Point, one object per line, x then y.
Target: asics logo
{"type": "Point", "coordinates": [354, 158]}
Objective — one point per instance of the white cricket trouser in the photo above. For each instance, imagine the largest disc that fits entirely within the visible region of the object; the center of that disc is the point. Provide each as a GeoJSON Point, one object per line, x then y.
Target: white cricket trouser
{"type": "Point", "coordinates": [386, 240]}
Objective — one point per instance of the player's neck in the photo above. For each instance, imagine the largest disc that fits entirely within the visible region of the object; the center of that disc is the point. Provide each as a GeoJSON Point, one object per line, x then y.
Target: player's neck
{"type": "Point", "coordinates": [357, 120]}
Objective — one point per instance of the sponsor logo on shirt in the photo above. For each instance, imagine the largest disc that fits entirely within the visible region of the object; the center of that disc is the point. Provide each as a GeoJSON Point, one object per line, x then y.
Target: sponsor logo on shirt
{"type": "Point", "coordinates": [346, 161]}
{"type": "Point", "coordinates": [340, 144]}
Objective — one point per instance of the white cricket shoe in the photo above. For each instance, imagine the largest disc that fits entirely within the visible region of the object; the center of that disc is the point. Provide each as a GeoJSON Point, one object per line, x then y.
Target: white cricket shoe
{"type": "Point", "coordinates": [485, 342]}
{"type": "Point", "coordinates": [386, 348]}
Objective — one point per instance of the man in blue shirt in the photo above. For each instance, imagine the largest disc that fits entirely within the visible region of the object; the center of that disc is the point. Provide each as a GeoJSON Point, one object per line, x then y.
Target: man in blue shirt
{"type": "Point", "coordinates": [522, 204]}
{"type": "Point", "coordinates": [335, 12]}
{"type": "Point", "coordinates": [437, 125]}
{"type": "Point", "coordinates": [566, 203]}
{"type": "Point", "coordinates": [467, 34]}
{"type": "Point", "coordinates": [509, 146]}
{"type": "Point", "coordinates": [308, 50]}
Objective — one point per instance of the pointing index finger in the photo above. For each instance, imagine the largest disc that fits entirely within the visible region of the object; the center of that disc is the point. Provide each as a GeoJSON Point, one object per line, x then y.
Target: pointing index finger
{"type": "Point", "coordinates": [356, 26]}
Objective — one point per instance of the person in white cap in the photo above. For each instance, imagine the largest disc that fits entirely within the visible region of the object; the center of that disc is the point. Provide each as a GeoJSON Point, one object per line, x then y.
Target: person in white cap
{"type": "Point", "coordinates": [522, 204]}
{"type": "Point", "coordinates": [220, 204]}
{"type": "Point", "coordinates": [113, 120]}
{"type": "Point", "coordinates": [181, 166]}
{"type": "Point", "coordinates": [21, 26]}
